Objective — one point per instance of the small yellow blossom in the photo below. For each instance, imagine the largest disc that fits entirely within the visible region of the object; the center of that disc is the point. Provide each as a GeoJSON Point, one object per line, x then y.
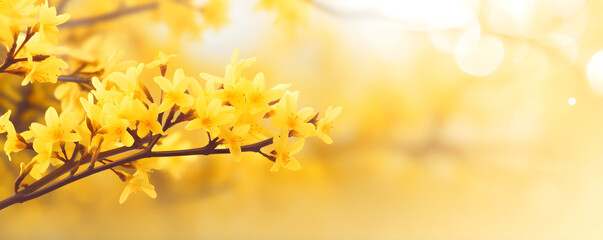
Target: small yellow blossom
{"type": "Point", "coordinates": [161, 60]}
{"type": "Point", "coordinates": [14, 142]}
{"type": "Point", "coordinates": [324, 125]}
{"type": "Point", "coordinates": [35, 46]}
{"type": "Point", "coordinates": [127, 109]}
{"type": "Point", "coordinates": [235, 69]}
{"type": "Point", "coordinates": [148, 121]}
{"type": "Point", "coordinates": [288, 117]}
{"type": "Point", "coordinates": [234, 139]}
{"type": "Point", "coordinates": [49, 21]}
{"type": "Point", "coordinates": [57, 129]}
{"type": "Point", "coordinates": [48, 70]}
{"type": "Point", "coordinates": [174, 94]}
{"type": "Point", "coordinates": [258, 97]}
{"type": "Point", "coordinates": [114, 62]}
{"type": "Point", "coordinates": [211, 78]}
{"type": "Point", "coordinates": [138, 182]}
{"type": "Point", "coordinates": [115, 129]}
{"type": "Point", "coordinates": [284, 153]}
{"type": "Point", "coordinates": [69, 94]}
{"type": "Point", "coordinates": [42, 159]}
{"type": "Point", "coordinates": [93, 111]}
{"type": "Point", "coordinates": [211, 116]}
{"type": "Point", "coordinates": [128, 82]}
{"type": "Point", "coordinates": [4, 120]}
{"type": "Point", "coordinates": [100, 91]}
{"type": "Point", "coordinates": [256, 130]}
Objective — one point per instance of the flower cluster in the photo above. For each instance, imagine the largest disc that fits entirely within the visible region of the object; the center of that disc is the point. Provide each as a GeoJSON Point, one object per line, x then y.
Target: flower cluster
{"type": "Point", "coordinates": [120, 121]}
{"type": "Point", "coordinates": [121, 113]}
{"type": "Point", "coordinates": [29, 54]}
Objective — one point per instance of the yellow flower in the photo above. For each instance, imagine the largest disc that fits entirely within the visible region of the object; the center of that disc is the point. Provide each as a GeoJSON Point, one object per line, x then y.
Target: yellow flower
{"type": "Point", "coordinates": [49, 21]}
{"type": "Point", "coordinates": [20, 12]}
{"type": "Point", "coordinates": [148, 121]}
{"type": "Point", "coordinates": [57, 129]}
{"type": "Point", "coordinates": [232, 73]}
{"type": "Point", "coordinates": [101, 93]}
{"type": "Point", "coordinates": [324, 125]}
{"type": "Point", "coordinates": [115, 129]}
{"type": "Point", "coordinates": [284, 153]}
{"type": "Point", "coordinates": [211, 78]}
{"type": "Point", "coordinates": [287, 117]}
{"type": "Point", "coordinates": [47, 70]}
{"type": "Point", "coordinates": [69, 94]}
{"type": "Point", "coordinates": [86, 135]}
{"type": "Point", "coordinates": [235, 68]}
{"type": "Point", "coordinates": [256, 129]}
{"type": "Point", "coordinates": [211, 116]}
{"type": "Point", "coordinates": [35, 46]}
{"type": "Point", "coordinates": [139, 182]}
{"type": "Point", "coordinates": [127, 109]}
{"type": "Point", "coordinates": [113, 63]}
{"type": "Point", "coordinates": [258, 97]}
{"type": "Point", "coordinates": [93, 111]}
{"type": "Point", "coordinates": [4, 120]}
{"type": "Point", "coordinates": [42, 159]}
{"type": "Point", "coordinates": [14, 142]}
{"type": "Point", "coordinates": [234, 96]}
{"type": "Point", "coordinates": [174, 93]}
{"type": "Point", "coordinates": [234, 139]}
{"type": "Point", "coordinates": [128, 82]}
{"type": "Point", "coordinates": [161, 60]}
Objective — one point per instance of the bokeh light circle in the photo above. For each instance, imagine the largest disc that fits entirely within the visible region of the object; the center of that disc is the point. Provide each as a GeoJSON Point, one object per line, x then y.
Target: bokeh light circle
{"type": "Point", "coordinates": [571, 101]}
{"type": "Point", "coordinates": [483, 59]}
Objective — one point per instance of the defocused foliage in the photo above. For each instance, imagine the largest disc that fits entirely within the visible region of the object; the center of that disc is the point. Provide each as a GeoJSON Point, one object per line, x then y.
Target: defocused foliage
{"type": "Point", "coordinates": [457, 123]}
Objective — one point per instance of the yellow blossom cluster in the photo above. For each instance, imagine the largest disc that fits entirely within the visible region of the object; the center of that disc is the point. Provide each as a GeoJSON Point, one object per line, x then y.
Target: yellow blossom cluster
{"type": "Point", "coordinates": [29, 32]}
{"type": "Point", "coordinates": [113, 120]}
{"type": "Point", "coordinates": [120, 114]}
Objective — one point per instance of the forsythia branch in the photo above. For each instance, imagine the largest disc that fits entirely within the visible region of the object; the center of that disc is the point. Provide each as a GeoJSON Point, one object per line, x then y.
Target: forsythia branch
{"type": "Point", "coordinates": [37, 189]}
{"type": "Point", "coordinates": [114, 114]}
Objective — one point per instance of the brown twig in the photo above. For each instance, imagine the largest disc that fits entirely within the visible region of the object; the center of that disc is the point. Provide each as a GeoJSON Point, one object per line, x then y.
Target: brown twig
{"type": "Point", "coordinates": [109, 16]}
{"type": "Point", "coordinates": [37, 189]}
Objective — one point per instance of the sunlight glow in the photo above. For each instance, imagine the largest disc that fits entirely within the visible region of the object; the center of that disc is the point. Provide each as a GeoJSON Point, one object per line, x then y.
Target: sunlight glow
{"type": "Point", "coordinates": [484, 59]}
{"type": "Point", "coordinates": [571, 101]}
{"type": "Point", "coordinates": [594, 72]}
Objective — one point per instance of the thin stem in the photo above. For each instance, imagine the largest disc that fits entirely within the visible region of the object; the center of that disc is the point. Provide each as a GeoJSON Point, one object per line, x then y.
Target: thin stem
{"type": "Point", "coordinates": [75, 79]}
{"type": "Point", "coordinates": [28, 36]}
{"type": "Point", "coordinates": [10, 58]}
{"type": "Point", "coordinates": [208, 150]}
{"type": "Point", "coordinates": [28, 194]}
{"type": "Point", "coordinates": [67, 167]}
{"type": "Point", "coordinates": [110, 16]}
{"type": "Point", "coordinates": [61, 6]}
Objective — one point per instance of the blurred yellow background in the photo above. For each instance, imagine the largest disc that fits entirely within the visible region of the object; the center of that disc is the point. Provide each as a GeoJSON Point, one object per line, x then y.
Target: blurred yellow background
{"type": "Point", "coordinates": [463, 119]}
